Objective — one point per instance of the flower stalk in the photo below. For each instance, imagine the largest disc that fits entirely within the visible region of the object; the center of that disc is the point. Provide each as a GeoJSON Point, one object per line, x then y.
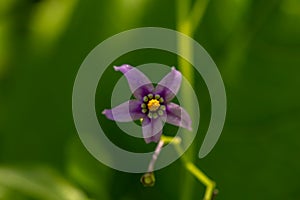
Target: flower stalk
{"type": "Point", "coordinates": [155, 155]}
{"type": "Point", "coordinates": [148, 179]}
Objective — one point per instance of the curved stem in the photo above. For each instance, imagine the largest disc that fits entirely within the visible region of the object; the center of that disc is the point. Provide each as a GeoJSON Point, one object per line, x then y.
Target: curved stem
{"type": "Point", "coordinates": [155, 155]}
{"type": "Point", "coordinates": [210, 191]}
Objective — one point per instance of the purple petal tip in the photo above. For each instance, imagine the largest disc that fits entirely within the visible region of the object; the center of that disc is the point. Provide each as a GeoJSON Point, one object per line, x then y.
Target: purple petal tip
{"type": "Point", "coordinates": [123, 68]}
{"type": "Point", "coordinates": [117, 68]}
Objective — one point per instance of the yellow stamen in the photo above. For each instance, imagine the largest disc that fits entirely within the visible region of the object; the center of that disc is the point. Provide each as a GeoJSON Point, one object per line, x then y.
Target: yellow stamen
{"type": "Point", "coordinates": [153, 104]}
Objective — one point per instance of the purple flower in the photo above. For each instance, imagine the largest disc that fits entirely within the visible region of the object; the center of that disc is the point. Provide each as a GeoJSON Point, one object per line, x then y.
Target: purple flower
{"type": "Point", "coordinates": [152, 105]}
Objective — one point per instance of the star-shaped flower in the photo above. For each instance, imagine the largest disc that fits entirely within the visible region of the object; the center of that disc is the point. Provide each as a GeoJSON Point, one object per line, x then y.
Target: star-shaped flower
{"type": "Point", "coordinates": [152, 105]}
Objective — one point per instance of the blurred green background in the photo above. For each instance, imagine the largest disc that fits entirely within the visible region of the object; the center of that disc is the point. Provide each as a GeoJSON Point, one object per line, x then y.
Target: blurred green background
{"type": "Point", "coordinates": [255, 44]}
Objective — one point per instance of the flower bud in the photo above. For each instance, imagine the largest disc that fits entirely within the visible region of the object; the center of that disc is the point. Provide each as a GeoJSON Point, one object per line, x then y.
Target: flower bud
{"type": "Point", "coordinates": [148, 179]}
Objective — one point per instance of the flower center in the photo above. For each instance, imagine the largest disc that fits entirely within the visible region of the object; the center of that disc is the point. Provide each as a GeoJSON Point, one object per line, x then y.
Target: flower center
{"type": "Point", "coordinates": [153, 104]}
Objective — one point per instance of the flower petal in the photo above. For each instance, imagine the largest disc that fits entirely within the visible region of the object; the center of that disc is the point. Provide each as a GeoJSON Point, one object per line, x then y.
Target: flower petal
{"type": "Point", "coordinates": [178, 116]}
{"type": "Point", "coordinates": [152, 129]}
{"type": "Point", "coordinates": [169, 85]}
{"type": "Point", "coordinates": [139, 84]}
{"type": "Point", "coordinates": [125, 112]}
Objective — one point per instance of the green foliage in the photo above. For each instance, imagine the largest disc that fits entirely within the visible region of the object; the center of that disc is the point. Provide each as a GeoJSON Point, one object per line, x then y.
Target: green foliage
{"type": "Point", "coordinates": [255, 44]}
{"type": "Point", "coordinates": [36, 183]}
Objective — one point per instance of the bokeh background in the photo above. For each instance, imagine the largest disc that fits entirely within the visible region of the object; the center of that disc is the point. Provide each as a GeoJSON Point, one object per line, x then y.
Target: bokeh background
{"type": "Point", "coordinates": [255, 44]}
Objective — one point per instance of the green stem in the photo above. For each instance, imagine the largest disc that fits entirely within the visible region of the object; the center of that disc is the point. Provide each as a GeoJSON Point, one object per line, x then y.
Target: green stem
{"type": "Point", "coordinates": [184, 48]}
{"type": "Point", "coordinates": [210, 185]}
{"type": "Point", "coordinates": [187, 21]}
{"type": "Point", "coordinates": [197, 13]}
{"type": "Point", "coordinates": [148, 178]}
{"type": "Point", "coordinates": [194, 170]}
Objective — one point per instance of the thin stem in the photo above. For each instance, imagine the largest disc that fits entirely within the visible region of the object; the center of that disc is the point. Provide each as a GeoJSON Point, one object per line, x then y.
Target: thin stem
{"type": "Point", "coordinates": [148, 178]}
{"type": "Point", "coordinates": [194, 170]}
{"type": "Point", "coordinates": [184, 48]}
{"type": "Point", "coordinates": [187, 21]}
{"type": "Point", "coordinates": [168, 139]}
{"type": "Point", "coordinates": [197, 14]}
{"type": "Point", "coordinates": [210, 185]}
{"type": "Point", "coordinates": [155, 155]}
{"type": "Point", "coordinates": [163, 140]}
